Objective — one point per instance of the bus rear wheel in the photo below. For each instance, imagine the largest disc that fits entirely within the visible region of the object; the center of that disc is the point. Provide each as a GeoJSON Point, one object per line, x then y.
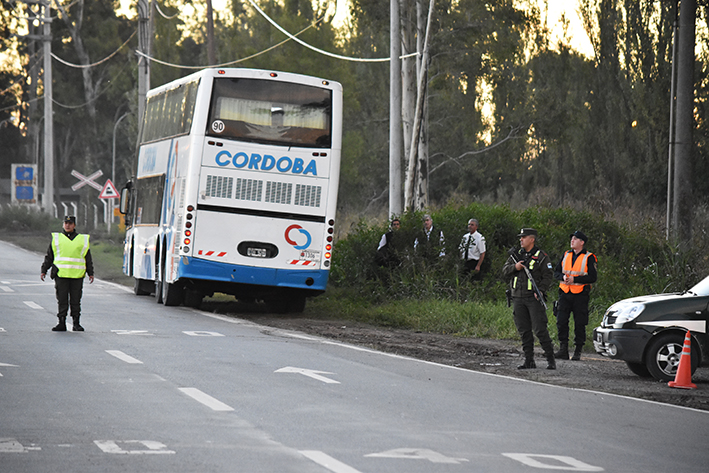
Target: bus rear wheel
{"type": "Point", "coordinates": [142, 287]}
{"type": "Point", "coordinates": [172, 294]}
{"type": "Point", "coordinates": [193, 298]}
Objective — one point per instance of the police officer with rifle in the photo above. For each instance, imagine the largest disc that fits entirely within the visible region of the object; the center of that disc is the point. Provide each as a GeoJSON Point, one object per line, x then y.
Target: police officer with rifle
{"type": "Point", "coordinates": [530, 274]}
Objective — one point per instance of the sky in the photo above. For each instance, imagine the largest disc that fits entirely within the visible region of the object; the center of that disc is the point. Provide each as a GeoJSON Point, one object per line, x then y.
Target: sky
{"type": "Point", "coordinates": [578, 37]}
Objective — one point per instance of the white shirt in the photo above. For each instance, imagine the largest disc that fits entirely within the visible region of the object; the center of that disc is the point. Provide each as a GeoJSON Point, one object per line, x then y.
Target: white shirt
{"type": "Point", "coordinates": [475, 248]}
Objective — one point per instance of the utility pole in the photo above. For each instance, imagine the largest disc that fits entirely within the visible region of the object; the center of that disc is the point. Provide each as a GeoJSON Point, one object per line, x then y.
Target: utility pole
{"type": "Point", "coordinates": [395, 136]}
{"type": "Point", "coordinates": [671, 150]}
{"type": "Point", "coordinates": [43, 15]}
{"type": "Point", "coordinates": [48, 198]}
{"type": "Point", "coordinates": [144, 34]}
{"type": "Point", "coordinates": [682, 205]}
{"type": "Point", "coordinates": [211, 54]}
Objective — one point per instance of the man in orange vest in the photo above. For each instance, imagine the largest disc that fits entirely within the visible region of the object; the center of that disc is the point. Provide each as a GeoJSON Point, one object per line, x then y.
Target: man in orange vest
{"type": "Point", "coordinates": [576, 271]}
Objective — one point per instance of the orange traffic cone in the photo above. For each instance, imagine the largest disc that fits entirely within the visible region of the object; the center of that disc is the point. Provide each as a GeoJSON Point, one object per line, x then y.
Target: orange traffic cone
{"type": "Point", "coordinates": [683, 378]}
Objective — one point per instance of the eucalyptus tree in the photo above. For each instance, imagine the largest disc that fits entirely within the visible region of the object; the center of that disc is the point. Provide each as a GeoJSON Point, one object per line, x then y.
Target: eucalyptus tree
{"type": "Point", "coordinates": [93, 77]}
{"type": "Point", "coordinates": [630, 104]}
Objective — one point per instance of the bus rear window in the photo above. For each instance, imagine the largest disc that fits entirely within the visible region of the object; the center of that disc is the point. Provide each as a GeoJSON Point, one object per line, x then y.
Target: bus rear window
{"type": "Point", "coordinates": [271, 112]}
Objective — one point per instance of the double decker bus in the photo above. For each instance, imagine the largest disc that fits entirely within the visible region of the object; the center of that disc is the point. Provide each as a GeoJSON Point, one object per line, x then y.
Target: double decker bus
{"type": "Point", "coordinates": [235, 188]}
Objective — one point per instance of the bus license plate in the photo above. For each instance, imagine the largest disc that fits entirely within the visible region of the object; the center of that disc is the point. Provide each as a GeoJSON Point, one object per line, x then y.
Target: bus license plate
{"type": "Point", "coordinates": [256, 252]}
{"type": "Point", "coordinates": [309, 255]}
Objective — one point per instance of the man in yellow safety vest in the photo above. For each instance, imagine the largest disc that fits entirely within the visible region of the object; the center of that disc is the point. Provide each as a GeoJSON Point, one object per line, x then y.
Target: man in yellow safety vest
{"type": "Point", "coordinates": [576, 271]}
{"type": "Point", "coordinates": [69, 258]}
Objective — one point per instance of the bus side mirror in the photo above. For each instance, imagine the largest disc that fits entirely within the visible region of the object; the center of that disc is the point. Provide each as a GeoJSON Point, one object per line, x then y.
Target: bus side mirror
{"type": "Point", "coordinates": [125, 199]}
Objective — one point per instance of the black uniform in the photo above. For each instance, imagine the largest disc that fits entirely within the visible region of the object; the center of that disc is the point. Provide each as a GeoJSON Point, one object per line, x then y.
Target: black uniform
{"type": "Point", "coordinates": [576, 303]}
{"type": "Point", "coordinates": [68, 290]}
{"type": "Point", "coordinates": [529, 314]}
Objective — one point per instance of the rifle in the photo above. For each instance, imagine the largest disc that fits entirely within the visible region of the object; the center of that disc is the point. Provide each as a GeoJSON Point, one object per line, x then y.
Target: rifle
{"type": "Point", "coordinates": [535, 288]}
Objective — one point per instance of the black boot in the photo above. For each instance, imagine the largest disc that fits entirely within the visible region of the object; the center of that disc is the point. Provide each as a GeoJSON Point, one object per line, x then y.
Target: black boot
{"type": "Point", "coordinates": [563, 353]}
{"type": "Point", "coordinates": [528, 364]}
{"type": "Point", "coordinates": [61, 326]}
{"type": "Point", "coordinates": [577, 353]}
{"type": "Point", "coordinates": [551, 362]}
{"type": "Point", "coordinates": [77, 327]}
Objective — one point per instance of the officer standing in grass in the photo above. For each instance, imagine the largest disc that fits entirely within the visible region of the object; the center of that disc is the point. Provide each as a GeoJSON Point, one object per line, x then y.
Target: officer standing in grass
{"type": "Point", "coordinates": [576, 271]}
{"type": "Point", "coordinates": [529, 314]}
{"type": "Point", "coordinates": [69, 258]}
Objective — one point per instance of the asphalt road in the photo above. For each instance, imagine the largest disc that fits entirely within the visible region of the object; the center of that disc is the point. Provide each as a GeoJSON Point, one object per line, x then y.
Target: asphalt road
{"type": "Point", "coordinates": [148, 388]}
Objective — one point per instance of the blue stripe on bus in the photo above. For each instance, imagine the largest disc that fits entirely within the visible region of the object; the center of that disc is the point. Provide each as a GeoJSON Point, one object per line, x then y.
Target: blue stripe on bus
{"type": "Point", "coordinates": [234, 273]}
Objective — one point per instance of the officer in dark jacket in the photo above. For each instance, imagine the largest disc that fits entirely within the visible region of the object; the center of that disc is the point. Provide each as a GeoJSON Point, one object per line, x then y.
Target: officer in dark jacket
{"type": "Point", "coordinates": [69, 259]}
{"type": "Point", "coordinates": [529, 314]}
{"type": "Point", "coordinates": [576, 271]}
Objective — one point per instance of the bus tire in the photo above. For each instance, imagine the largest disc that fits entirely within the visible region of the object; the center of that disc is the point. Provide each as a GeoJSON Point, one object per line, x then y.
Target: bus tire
{"type": "Point", "coordinates": [172, 294]}
{"type": "Point", "coordinates": [296, 305]}
{"type": "Point", "coordinates": [193, 298]}
{"type": "Point", "coordinates": [141, 287]}
{"type": "Point", "coordinates": [278, 305]}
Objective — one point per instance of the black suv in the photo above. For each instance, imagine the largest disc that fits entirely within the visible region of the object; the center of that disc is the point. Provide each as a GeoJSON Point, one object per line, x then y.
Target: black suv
{"type": "Point", "coordinates": [648, 332]}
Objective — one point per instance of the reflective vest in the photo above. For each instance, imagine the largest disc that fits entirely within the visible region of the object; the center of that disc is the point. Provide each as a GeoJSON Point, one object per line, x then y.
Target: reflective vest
{"type": "Point", "coordinates": [70, 255]}
{"type": "Point", "coordinates": [530, 266]}
{"type": "Point", "coordinates": [579, 268]}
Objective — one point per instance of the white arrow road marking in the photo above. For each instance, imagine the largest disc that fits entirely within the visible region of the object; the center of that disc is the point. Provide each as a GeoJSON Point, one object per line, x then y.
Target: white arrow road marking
{"type": "Point", "coordinates": [11, 446]}
{"type": "Point", "coordinates": [309, 373]}
{"type": "Point", "coordinates": [153, 447]}
{"type": "Point", "coordinates": [131, 332]}
{"type": "Point", "coordinates": [33, 305]}
{"type": "Point", "coordinates": [123, 357]}
{"type": "Point", "coordinates": [559, 462]}
{"type": "Point", "coordinates": [417, 454]}
{"type": "Point", "coordinates": [328, 462]}
{"type": "Point", "coordinates": [206, 399]}
{"type": "Point", "coordinates": [203, 334]}
{"type": "Point", "coordinates": [6, 364]}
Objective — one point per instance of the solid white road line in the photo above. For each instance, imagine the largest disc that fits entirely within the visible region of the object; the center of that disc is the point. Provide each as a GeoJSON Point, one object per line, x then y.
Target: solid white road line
{"type": "Point", "coordinates": [123, 357]}
{"type": "Point", "coordinates": [328, 462]}
{"type": "Point", "coordinates": [206, 399]}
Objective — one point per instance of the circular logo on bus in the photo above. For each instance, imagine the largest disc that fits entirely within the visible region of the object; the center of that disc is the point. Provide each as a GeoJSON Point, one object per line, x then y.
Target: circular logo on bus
{"type": "Point", "coordinates": [308, 238]}
{"type": "Point", "coordinates": [218, 126]}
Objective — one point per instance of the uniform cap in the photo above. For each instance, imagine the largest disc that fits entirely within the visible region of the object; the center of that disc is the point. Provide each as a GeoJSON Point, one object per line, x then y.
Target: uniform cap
{"type": "Point", "coordinates": [527, 232]}
{"type": "Point", "coordinates": [70, 219]}
{"type": "Point", "coordinates": [580, 235]}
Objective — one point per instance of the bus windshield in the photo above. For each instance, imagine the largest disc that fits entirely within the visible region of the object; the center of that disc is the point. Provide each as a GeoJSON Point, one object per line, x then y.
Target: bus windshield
{"type": "Point", "coordinates": [269, 112]}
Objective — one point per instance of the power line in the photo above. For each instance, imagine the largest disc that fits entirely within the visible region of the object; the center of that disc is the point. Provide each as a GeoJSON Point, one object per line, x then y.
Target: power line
{"type": "Point", "coordinates": [326, 53]}
{"type": "Point", "coordinates": [164, 63]}
{"type": "Point", "coordinates": [87, 66]}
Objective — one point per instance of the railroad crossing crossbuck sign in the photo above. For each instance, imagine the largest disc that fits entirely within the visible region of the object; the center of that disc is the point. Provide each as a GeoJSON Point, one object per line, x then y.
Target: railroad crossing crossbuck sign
{"type": "Point", "coordinates": [83, 180]}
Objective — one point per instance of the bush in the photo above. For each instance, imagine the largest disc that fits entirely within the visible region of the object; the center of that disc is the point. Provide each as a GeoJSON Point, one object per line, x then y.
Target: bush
{"type": "Point", "coordinates": [631, 261]}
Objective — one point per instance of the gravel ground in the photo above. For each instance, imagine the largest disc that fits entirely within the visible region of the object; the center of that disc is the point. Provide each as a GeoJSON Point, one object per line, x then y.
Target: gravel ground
{"type": "Point", "coordinates": [502, 357]}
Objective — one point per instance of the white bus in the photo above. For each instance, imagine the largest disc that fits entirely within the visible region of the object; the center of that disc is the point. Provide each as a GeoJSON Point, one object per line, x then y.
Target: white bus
{"type": "Point", "coordinates": [235, 188]}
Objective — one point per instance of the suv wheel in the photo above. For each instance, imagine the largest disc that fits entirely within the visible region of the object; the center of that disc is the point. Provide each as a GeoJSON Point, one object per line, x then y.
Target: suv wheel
{"type": "Point", "coordinates": [663, 355]}
{"type": "Point", "coordinates": [639, 369]}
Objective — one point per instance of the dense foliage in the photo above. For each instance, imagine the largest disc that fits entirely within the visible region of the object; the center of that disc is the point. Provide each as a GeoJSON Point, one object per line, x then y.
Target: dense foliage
{"type": "Point", "coordinates": [632, 260]}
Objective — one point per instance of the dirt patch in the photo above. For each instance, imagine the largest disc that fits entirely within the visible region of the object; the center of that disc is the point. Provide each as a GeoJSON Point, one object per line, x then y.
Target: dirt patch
{"type": "Point", "coordinates": [592, 372]}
